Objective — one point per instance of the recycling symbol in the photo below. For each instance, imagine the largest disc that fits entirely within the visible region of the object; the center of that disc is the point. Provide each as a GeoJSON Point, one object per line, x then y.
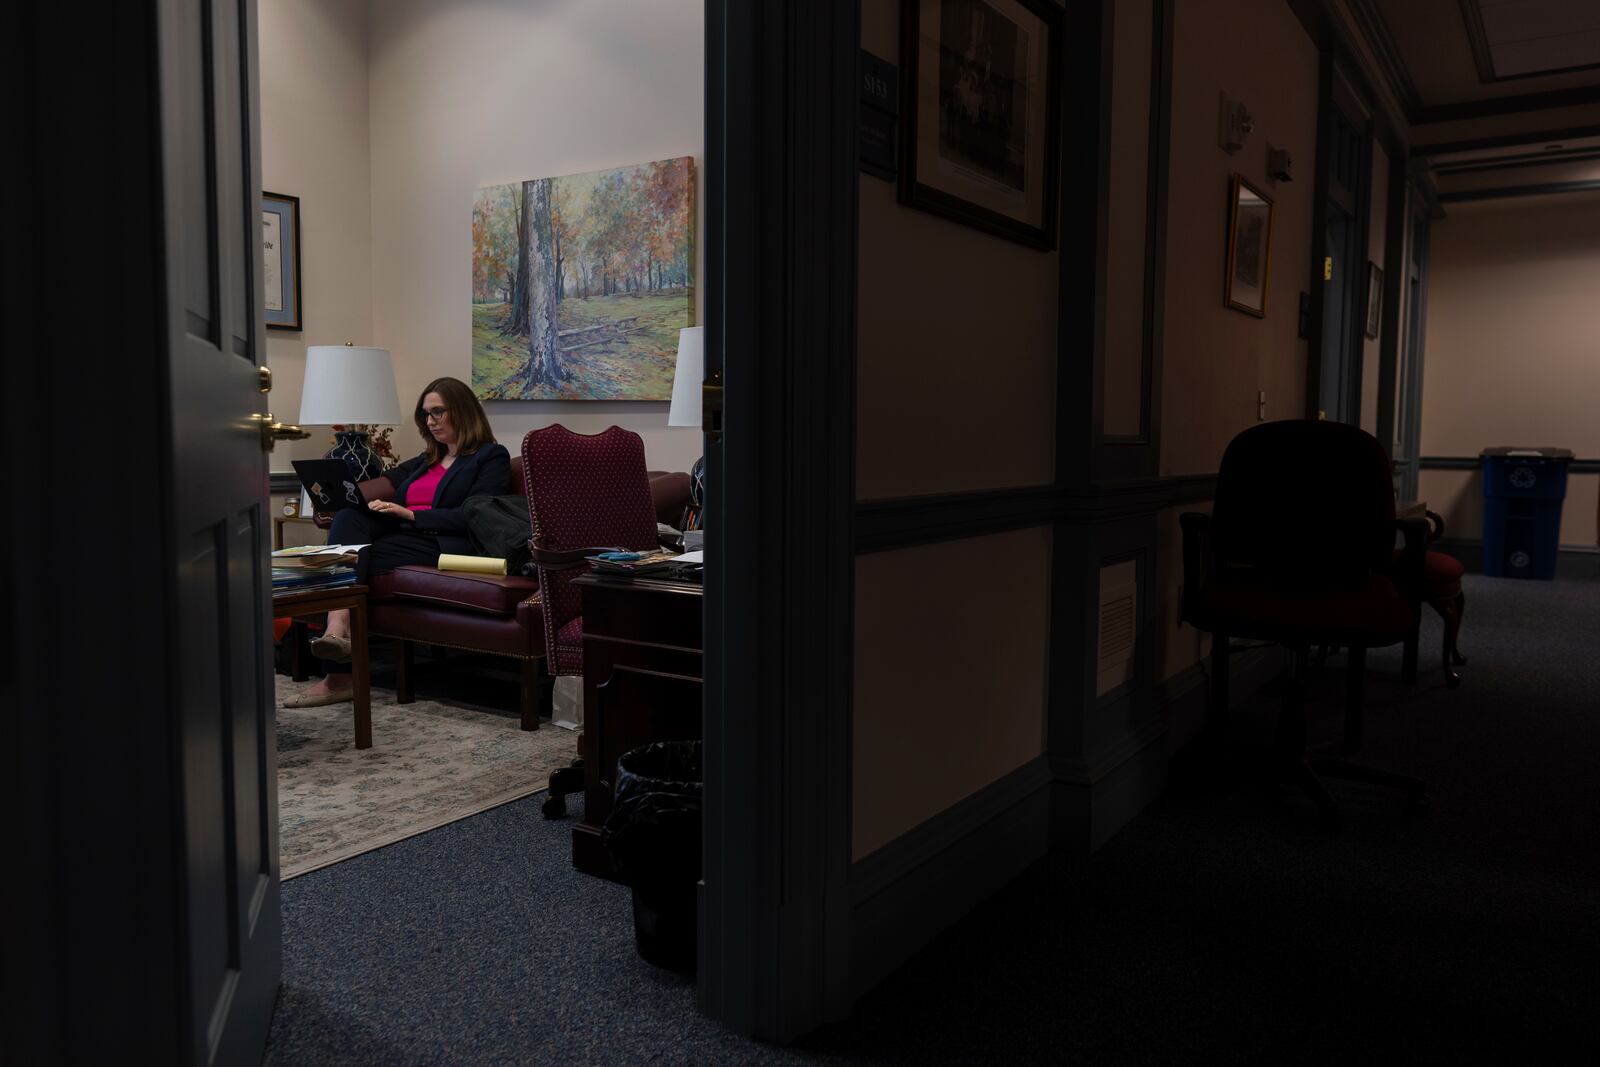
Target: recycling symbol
{"type": "Point", "coordinates": [1523, 477]}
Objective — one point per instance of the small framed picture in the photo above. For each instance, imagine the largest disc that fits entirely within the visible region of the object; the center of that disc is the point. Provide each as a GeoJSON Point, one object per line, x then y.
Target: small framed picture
{"type": "Point", "coordinates": [280, 259]}
{"type": "Point", "coordinates": [1374, 297]}
{"type": "Point", "coordinates": [1249, 248]}
{"type": "Point", "coordinates": [979, 121]}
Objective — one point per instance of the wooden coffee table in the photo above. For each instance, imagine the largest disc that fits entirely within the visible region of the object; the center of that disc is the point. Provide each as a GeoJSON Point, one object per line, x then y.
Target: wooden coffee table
{"type": "Point", "coordinates": [293, 602]}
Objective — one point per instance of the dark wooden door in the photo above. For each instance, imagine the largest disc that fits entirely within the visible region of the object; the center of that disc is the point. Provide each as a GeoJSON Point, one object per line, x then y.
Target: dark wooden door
{"type": "Point", "coordinates": [139, 761]}
{"type": "Point", "coordinates": [1347, 180]}
{"type": "Point", "coordinates": [218, 536]}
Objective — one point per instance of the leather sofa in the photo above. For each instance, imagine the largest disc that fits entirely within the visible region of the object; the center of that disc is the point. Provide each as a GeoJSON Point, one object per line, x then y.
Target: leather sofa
{"type": "Point", "coordinates": [500, 615]}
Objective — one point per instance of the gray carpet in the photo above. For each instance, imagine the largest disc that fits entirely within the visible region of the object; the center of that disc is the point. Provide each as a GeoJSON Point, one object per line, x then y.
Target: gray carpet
{"type": "Point", "coordinates": [1219, 926]}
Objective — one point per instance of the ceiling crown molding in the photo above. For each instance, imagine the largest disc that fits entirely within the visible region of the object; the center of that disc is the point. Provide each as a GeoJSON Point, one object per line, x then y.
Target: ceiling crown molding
{"type": "Point", "coordinates": [1369, 23]}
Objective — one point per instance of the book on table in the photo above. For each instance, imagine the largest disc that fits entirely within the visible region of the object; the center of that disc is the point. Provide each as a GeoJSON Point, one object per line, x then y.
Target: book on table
{"type": "Point", "coordinates": [310, 557]}
{"type": "Point", "coordinates": [659, 563]}
{"type": "Point", "coordinates": [292, 579]}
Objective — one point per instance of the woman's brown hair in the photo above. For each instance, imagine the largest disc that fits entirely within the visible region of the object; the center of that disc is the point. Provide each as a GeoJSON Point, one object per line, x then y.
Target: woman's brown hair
{"type": "Point", "coordinates": [466, 415]}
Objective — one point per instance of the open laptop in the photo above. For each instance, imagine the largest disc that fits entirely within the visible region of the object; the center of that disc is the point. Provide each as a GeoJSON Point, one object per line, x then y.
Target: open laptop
{"type": "Point", "coordinates": [328, 484]}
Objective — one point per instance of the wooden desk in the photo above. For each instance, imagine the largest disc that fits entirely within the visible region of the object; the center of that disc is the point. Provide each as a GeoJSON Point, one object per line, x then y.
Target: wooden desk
{"type": "Point", "coordinates": [641, 683]}
{"type": "Point", "coordinates": [294, 602]}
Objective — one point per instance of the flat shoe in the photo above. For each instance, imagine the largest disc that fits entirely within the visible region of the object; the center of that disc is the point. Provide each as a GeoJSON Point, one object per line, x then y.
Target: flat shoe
{"type": "Point", "coordinates": [332, 649]}
{"type": "Point", "coordinates": [308, 699]}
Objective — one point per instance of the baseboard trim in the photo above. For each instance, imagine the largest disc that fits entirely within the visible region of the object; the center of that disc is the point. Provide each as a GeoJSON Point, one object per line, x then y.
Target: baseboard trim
{"type": "Point", "coordinates": [1185, 697]}
{"type": "Point", "coordinates": [908, 892]}
{"type": "Point", "coordinates": [1581, 562]}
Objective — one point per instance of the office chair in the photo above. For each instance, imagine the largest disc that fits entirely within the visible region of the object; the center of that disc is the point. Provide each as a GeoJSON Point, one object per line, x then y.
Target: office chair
{"type": "Point", "coordinates": [1298, 551]}
{"type": "Point", "coordinates": [584, 492]}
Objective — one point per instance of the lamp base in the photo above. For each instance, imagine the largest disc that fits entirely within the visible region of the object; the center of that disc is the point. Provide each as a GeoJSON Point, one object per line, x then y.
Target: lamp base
{"type": "Point", "coordinates": [355, 448]}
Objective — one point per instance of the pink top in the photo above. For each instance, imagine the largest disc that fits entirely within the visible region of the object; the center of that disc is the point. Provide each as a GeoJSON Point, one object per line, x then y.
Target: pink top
{"type": "Point", "coordinates": [419, 494]}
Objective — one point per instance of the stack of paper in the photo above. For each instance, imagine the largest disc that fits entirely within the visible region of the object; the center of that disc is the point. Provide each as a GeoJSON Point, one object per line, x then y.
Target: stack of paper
{"type": "Point", "coordinates": [314, 556]}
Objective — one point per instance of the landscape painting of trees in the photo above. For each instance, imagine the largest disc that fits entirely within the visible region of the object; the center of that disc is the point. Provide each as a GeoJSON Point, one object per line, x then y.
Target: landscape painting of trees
{"type": "Point", "coordinates": [580, 284]}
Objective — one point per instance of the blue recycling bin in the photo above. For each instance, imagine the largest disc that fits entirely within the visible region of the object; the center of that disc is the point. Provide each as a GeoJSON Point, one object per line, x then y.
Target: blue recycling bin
{"type": "Point", "coordinates": [1522, 493]}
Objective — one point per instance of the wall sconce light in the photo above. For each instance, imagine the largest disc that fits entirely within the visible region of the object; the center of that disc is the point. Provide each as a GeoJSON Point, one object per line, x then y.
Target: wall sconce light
{"type": "Point", "coordinates": [1235, 127]}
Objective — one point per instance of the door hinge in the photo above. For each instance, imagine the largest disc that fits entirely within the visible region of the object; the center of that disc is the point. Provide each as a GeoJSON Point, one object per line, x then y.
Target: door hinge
{"type": "Point", "coordinates": [1327, 268]}
{"type": "Point", "coordinates": [711, 407]}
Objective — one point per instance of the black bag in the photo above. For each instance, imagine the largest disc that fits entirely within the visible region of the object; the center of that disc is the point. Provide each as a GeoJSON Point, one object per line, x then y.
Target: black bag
{"type": "Point", "coordinates": [501, 527]}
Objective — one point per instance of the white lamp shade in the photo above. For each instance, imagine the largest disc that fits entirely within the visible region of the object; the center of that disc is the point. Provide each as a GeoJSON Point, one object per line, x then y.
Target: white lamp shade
{"type": "Point", "coordinates": [346, 384]}
{"type": "Point", "coordinates": [686, 382]}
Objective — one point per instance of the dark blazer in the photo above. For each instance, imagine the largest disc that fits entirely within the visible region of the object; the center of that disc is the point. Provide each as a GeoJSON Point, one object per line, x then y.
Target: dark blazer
{"type": "Point", "coordinates": [486, 472]}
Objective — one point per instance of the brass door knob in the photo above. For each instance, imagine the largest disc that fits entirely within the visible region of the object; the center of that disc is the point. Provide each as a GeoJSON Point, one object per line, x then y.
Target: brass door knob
{"type": "Point", "coordinates": [273, 432]}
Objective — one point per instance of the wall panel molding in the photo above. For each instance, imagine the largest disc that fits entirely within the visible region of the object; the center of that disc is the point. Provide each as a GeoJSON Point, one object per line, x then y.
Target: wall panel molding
{"type": "Point", "coordinates": [938, 872]}
{"type": "Point", "coordinates": [1471, 463]}
{"type": "Point", "coordinates": [1119, 456]}
{"type": "Point", "coordinates": [883, 525]}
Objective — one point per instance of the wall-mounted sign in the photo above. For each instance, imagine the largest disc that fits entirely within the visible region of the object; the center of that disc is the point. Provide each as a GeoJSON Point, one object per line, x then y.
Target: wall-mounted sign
{"type": "Point", "coordinates": [880, 100]}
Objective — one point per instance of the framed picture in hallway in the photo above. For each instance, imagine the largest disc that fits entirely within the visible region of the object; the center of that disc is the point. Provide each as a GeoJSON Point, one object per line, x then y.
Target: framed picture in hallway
{"type": "Point", "coordinates": [280, 259]}
{"type": "Point", "coordinates": [979, 122]}
{"type": "Point", "coordinates": [1374, 297]}
{"type": "Point", "coordinates": [1249, 248]}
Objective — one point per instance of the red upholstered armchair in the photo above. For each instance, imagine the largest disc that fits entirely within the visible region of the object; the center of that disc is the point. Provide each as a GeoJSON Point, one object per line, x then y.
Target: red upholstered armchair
{"type": "Point", "coordinates": [496, 614]}
{"type": "Point", "coordinates": [1298, 550]}
{"type": "Point", "coordinates": [583, 491]}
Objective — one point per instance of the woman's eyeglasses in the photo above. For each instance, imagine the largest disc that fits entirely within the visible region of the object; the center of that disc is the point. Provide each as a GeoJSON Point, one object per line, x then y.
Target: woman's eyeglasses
{"type": "Point", "coordinates": [435, 413]}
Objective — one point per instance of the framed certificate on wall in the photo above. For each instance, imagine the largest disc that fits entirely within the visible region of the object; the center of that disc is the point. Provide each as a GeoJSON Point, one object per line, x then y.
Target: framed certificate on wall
{"type": "Point", "coordinates": [280, 259]}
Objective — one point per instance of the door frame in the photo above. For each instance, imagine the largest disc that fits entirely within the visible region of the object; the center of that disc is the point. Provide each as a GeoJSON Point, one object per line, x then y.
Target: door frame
{"type": "Point", "coordinates": [1419, 223]}
{"type": "Point", "coordinates": [781, 192]}
{"type": "Point", "coordinates": [1330, 71]}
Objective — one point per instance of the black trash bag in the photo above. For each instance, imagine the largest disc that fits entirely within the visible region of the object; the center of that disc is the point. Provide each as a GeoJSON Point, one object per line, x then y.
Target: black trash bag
{"type": "Point", "coordinates": [653, 835]}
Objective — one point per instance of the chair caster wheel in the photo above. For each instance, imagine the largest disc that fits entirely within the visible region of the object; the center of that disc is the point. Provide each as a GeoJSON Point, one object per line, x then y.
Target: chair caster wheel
{"type": "Point", "coordinates": [1452, 680]}
{"type": "Point", "coordinates": [555, 806]}
{"type": "Point", "coordinates": [1458, 659]}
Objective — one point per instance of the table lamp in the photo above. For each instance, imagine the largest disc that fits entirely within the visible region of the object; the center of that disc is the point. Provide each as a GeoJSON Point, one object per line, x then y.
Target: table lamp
{"type": "Point", "coordinates": [685, 410]}
{"type": "Point", "coordinates": [351, 387]}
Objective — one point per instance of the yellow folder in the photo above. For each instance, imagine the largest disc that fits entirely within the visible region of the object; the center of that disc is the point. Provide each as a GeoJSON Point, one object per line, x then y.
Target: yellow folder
{"type": "Point", "coordinates": [471, 564]}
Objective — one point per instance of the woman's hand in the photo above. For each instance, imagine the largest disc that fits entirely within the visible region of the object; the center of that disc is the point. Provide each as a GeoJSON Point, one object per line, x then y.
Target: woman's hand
{"type": "Point", "coordinates": [389, 507]}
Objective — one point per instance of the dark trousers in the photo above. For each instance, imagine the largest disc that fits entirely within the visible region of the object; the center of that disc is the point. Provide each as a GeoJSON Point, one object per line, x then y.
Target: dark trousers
{"type": "Point", "coordinates": [390, 544]}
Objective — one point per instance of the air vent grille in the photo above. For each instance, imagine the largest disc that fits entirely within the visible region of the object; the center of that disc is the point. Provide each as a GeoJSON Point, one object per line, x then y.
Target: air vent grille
{"type": "Point", "coordinates": [1119, 625]}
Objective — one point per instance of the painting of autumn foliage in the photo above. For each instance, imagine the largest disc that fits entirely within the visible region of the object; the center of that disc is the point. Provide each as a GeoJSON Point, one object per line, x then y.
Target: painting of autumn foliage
{"type": "Point", "coordinates": [581, 284]}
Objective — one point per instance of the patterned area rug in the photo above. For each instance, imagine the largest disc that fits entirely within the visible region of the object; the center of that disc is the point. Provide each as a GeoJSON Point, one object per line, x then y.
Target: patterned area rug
{"type": "Point", "coordinates": [430, 763]}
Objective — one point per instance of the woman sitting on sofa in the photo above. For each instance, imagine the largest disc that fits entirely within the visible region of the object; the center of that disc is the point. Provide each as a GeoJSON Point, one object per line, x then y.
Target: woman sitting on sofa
{"type": "Point", "coordinates": [425, 518]}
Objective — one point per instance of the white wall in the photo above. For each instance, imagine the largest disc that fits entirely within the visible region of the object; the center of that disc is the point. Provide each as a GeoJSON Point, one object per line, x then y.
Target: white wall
{"type": "Point", "coordinates": [314, 146]}
{"type": "Point", "coordinates": [479, 92]}
{"type": "Point", "coordinates": [1510, 359]}
{"type": "Point", "coordinates": [1215, 359]}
